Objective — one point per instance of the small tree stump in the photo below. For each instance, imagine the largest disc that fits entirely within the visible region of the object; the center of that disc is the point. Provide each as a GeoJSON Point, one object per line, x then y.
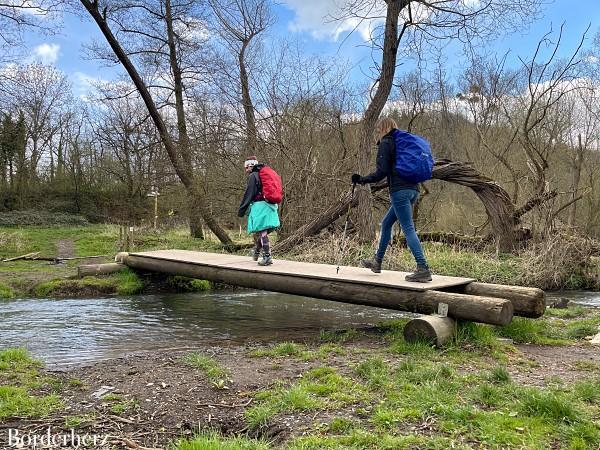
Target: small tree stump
{"type": "Point", "coordinates": [434, 329]}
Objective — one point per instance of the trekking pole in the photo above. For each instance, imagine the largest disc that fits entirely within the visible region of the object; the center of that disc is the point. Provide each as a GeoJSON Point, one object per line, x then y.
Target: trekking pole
{"type": "Point", "coordinates": [337, 270]}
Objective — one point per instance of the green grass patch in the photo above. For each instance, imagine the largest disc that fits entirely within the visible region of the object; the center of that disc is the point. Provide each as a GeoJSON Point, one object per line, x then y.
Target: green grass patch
{"type": "Point", "coordinates": [552, 330]}
{"type": "Point", "coordinates": [19, 375]}
{"type": "Point", "coordinates": [128, 282]}
{"type": "Point", "coordinates": [571, 312]}
{"type": "Point", "coordinates": [320, 388]}
{"type": "Point", "coordinates": [549, 405]}
{"type": "Point", "coordinates": [6, 291]}
{"type": "Point", "coordinates": [590, 366]}
{"type": "Point", "coordinates": [213, 441]}
{"type": "Point", "coordinates": [359, 439]}
{"type": "Point", "coordinates": [374, 371]}
{"type": "Point", "coordinates": [499, 375]}
{"type": "Point", "coordinates": [475, 335]}
{"type": "Point", "coordinates": [216, 374]}
{"type": "Point", "coordinates": [533, 331]}
{"type": "Point", "coordinates": [45, 218]}
{"type": "Point", "coordinates": [338, 336]}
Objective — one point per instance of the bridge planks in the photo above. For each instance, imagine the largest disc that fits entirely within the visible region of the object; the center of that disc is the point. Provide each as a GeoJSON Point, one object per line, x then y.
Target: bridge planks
{"type": "Point", "coordinates": [305, 270]}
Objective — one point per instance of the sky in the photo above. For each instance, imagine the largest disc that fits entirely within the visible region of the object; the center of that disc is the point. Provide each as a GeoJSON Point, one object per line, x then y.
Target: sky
{"type": "Point", "coordinates": [308, 22]}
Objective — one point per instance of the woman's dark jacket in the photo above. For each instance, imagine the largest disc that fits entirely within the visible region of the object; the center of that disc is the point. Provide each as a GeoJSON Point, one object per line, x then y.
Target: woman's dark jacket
{"type": "Point", "coordinates": [253, 190]}
{"type": "Point", "coordinates": [386, 166]}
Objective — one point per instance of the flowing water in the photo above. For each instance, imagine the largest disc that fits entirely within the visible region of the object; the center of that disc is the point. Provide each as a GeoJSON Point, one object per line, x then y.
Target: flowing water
{"type": "Point", "coordinates": [75, 331]}
{"type": "Point", "coordinates": [584, 298]}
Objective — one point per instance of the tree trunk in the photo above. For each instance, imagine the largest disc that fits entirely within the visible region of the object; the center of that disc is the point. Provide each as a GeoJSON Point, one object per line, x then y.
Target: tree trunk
{"type": "Point", "coordinates": [496, 201]}
{"type": "Point", "coordinates": [251, 135]}
{"type": "Point", "coordinates": [578, 164]}
{"type": "Point", "coordinates": [364, 219]}
{"type": "Point", "coordinates": [180, 160]}
{"type": "Point", "coordinates": [498, 206]}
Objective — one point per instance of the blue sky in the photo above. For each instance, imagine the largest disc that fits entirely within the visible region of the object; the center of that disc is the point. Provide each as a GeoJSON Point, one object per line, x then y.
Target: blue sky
{"type": "Point", "coordinates": [304, 20]}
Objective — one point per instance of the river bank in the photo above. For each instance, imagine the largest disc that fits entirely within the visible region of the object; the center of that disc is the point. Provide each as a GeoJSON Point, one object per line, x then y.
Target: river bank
{"type": "Point", "coordinates": [555, 267]}
{"type": "Point", "coordinates": [354, 388]}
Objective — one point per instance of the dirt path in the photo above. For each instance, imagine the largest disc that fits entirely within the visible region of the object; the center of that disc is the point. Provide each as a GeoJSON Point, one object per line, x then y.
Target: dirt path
{"type": "Point", "coordinates": [65, 248]}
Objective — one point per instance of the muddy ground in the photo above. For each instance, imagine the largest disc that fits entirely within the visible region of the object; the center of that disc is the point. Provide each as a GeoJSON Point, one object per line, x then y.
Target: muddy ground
{"type": "Point", "coordinates": [163, 398]}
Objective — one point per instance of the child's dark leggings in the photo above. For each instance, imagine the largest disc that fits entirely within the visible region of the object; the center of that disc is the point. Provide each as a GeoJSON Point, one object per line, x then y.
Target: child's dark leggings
{"type": "Point", "coordinates": [262, 242]}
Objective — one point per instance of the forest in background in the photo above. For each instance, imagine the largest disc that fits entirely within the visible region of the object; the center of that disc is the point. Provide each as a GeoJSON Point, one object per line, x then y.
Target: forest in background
{"type": "Point", "coordinates": [223, 94]}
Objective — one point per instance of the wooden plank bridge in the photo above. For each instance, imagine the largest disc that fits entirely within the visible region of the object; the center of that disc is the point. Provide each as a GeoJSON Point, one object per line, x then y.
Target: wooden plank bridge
{"type": "Point", "coordinates": [466, 298]}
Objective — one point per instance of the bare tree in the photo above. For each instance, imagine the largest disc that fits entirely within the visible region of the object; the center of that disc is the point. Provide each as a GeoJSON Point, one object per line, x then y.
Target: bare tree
{"type": "Point", "coordinates": [19, 17]}
{"type": "Point", "coordinates": [420, 21]}
{"type": "Point", "coordinates": [240, 22]}
{"type": "Point", "coordinates": [166, 45]}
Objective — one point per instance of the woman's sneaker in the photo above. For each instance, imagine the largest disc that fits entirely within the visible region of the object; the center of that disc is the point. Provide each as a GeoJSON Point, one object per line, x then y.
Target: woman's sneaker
{"type": "Point", "coordinates": [266, 260]}
{"type": "Point", "coordinates": [255, 254]}
{"type": "Point", "coordinates": [421, 275]}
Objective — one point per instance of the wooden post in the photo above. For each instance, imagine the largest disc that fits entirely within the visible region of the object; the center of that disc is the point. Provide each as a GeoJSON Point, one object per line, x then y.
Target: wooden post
{"type": "Point", "coordinates": [155, 210]}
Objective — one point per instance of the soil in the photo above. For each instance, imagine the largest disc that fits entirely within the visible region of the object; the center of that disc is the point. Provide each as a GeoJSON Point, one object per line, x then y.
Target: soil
{"type": "Point", "coordinates": [169, 399]}
{"type": "Point", "coordinates": [65, 248]}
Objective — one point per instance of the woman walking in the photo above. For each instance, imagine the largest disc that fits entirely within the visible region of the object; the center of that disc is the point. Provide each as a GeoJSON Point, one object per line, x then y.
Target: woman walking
{"type": "Point", "coordinates": [403, 195]}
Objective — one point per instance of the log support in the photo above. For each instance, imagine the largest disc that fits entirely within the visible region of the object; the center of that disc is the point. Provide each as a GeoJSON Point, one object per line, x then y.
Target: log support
{"type": "Point", "coordinates": [433, 329]}
{"type": "Point", "coordinates": [98, 269]}
{"type": "Point", "coordinates": [495, 311]}
{"type": "Point", "coordinates": [527, 302]}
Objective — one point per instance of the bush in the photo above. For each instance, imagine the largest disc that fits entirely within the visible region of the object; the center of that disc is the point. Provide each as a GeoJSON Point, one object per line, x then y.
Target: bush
{"type": "Point", "coordinates": [20, 218]}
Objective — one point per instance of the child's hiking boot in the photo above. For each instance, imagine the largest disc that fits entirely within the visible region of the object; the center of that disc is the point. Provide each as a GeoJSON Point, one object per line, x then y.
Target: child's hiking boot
{"type": "Point", "coordinates": [421, 275]}
{"type": "Point", "coordinates": [255, 254]}
{"type": "Point", "coordinates": [373, 263]}
{"type": "Point", "coordinates": [266, 260]}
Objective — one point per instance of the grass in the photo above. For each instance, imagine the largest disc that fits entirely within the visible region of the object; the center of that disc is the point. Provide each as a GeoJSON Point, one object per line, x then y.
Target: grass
{"type": "Point", "coordinates": [320, 389]}
{"type": "Point", "coordinates": [128, 282]}
{"type": "Point", "coordinates": [216, 374]}
{"type": "Point", "coordinates": [462, 397]}
{"type": "Point", "coordinates": [551, 330]}
{"type": "Point", "coordinates": [37, 278]}
{"type": "Point", "coordinates": [6, 291]}
{"type": "Point", "coordinates": [19, 377]}
{"type": "Point", "coordinates": [213, 441]}
{"type": "Point", "coordinates": [85, 286]}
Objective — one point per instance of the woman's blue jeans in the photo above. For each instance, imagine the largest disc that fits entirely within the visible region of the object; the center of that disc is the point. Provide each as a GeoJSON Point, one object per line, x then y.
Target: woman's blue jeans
{"type": "Point", "coordinates": [401, 211]}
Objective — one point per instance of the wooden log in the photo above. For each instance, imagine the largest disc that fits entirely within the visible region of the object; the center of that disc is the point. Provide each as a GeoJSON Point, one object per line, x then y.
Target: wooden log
{"type": "Point", "coordinates": [26, 255]}
{"type": "Point", "coordinates": [435, 329]}
{"type": "Point", "coordinates": [98, 269]}
{"type": "Point", "coordinates": [460, 306]}
{"type": "Point", "coordinates": [527, 302]}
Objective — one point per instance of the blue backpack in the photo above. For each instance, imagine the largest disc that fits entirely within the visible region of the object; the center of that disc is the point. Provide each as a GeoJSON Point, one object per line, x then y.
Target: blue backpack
{"type": "Point", "coordinates": [414, 161]}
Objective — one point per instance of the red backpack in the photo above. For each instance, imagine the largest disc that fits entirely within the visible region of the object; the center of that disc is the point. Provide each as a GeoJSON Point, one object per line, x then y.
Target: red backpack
{"type": "Point", "coordinates": [272, 188]}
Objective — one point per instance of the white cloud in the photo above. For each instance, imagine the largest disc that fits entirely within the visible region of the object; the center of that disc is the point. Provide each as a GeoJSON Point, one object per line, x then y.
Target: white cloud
{"type": "Point", "coordinates": [316, 17]}
{"type": "Point", "coordinates": [84, 85]}
{"type": "Point", "coordinates": [46, 53]}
